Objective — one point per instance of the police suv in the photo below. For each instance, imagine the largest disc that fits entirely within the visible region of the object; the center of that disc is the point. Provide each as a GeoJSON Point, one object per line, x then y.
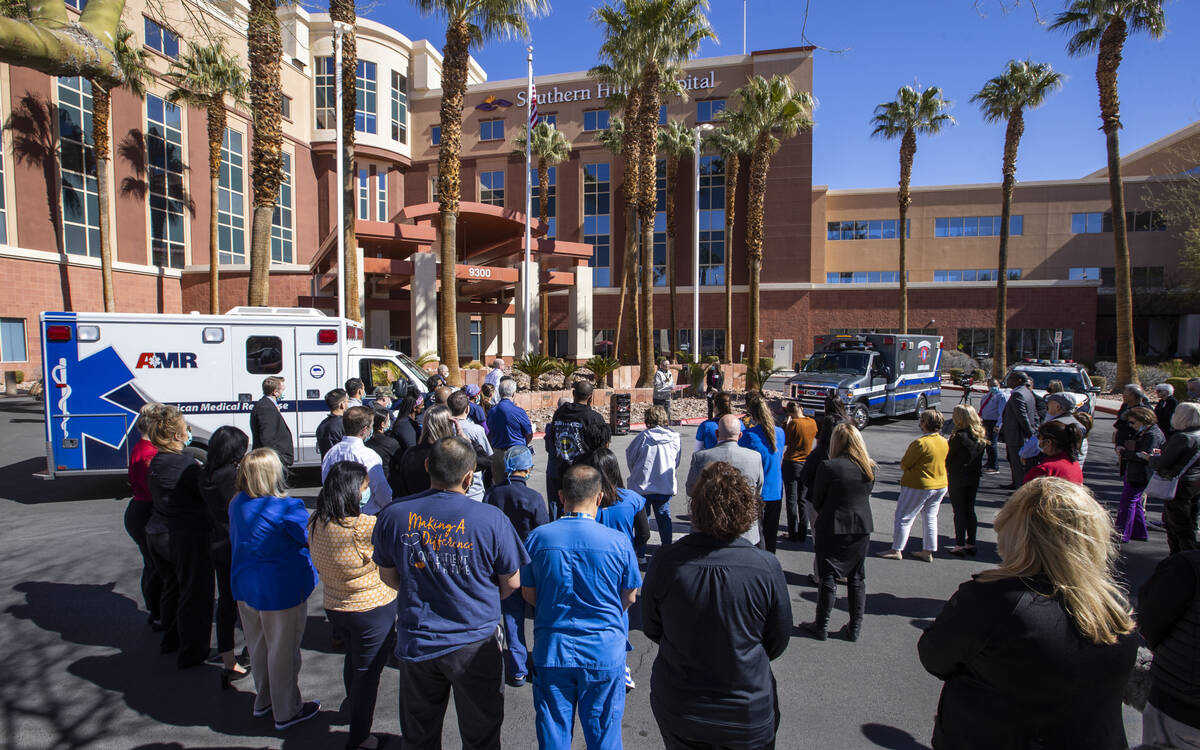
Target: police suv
{"type": "Point", "coordinates": [1073, 376]}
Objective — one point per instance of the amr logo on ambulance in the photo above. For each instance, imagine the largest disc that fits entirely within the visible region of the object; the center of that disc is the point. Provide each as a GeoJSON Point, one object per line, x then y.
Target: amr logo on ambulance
{"type": "Point", "coordinates": [166, 360]}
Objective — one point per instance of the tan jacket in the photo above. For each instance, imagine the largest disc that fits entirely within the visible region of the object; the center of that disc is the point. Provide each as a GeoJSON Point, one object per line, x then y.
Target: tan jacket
{"type": "Point", "coordinates": [342, 556]}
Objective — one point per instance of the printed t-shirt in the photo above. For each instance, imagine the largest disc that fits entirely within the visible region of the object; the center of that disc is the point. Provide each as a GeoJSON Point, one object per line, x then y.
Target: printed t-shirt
{"type": "Point", "coordinates": [448, 551]}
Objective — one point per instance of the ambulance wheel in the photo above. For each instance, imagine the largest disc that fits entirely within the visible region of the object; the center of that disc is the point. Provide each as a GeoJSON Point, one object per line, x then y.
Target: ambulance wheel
{"type": "Point", "coordinates": [922, 405]}
{"type": "Point", "coordinates": [860, 416]}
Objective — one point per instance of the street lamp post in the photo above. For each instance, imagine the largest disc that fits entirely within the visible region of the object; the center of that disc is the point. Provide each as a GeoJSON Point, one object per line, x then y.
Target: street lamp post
{"type": "Point", "coordinates": [695, 344]}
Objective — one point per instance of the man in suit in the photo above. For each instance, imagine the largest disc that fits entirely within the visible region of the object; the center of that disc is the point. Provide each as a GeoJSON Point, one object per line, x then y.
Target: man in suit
{"type": "Point", "coordinates": [1018, 422]}
{"type": "Point", "coordinates": [268, 429]}
{"type": "Point", "coordinates": [746, 461]}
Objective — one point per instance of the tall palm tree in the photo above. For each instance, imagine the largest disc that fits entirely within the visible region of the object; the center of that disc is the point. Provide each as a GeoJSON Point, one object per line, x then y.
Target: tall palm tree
{"type": "Point", "coordinates": [203, 78]}
{"type": "Point", "coordinates": [1024, 85]}
{"type": "Point", "coordinates": [730, 144]}
{"type": "Point", "coordinates": [266, 151]}
{"type": "Point", "coordinates": [550, 147]}
{"type": "Point", "coordinates": [344, 11]}
{"type": "Point", "coordinates": [913, 112]}
{"type": "Point", "coordinates": [1102, 26]}
{"type": "Point", "coordinates": [620, 69]}
{"type": "Point", "coordinates": [667, 33]}
{"type": "Point", "coordinates": [769, 109]}
{"type": "Point", "coordinates": [676, 140]}
{"type": "Point", "coordinates": [132, 60]}
{"type": "Point", "coordinates": [467, 22]}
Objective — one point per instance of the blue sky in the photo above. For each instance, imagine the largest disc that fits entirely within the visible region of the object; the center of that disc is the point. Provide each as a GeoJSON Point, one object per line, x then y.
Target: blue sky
{"type": "Point", "coordinates": [887, 44]}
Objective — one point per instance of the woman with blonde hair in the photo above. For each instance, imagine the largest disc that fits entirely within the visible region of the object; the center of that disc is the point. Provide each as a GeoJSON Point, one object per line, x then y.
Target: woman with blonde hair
{"type": "Point", "coordinates": [964, 467]}
{"type": "Point", "coordinates": [841, 496]}
{"type": "Point", "coordinates": [922, 488]}
{"type": "Point", "coordinates": [1037, 652]}
{"type": "Point", "coordinates": [768, 440]}
{"type": "Point", "coordinates": [139, 511]}
{"type": "Point", "coordinates": [178, 536]}
{"type": "Point", "coordinates": [272, 576]}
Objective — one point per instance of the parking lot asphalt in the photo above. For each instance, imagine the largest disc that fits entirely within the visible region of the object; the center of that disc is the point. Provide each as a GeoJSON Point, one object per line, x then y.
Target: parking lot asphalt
{"type": "Point", "coordinates": [81, 669]}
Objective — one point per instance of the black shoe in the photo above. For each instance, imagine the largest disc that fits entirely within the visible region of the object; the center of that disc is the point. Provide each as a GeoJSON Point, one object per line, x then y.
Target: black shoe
{"type": "Point", "coordinates": [849, 633]}
{"type": "Point", "coordinates": [168, 646]}
{"type": "Point", "coordinates": [517, 681]}
{"type": "Point", "coordinates": [815, 631]}
{"type": "Point", "coordinates": [230, 676]}
{"type": "Point", "coordinates": [306, 712]}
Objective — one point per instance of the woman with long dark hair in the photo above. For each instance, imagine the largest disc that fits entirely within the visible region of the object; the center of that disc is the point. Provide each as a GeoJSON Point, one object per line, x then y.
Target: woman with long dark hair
{"type": "Point", "coordinates": [357, 602]}
{"type": "Point", "coordinates": [620, 508]}
{"type": "Point", "coordinates": [218, 483]}
{"type": "Point", "coordinates": [1059, 445]}
{"type": "Point", "coordinates": [768, 441]}
{"type": "Point", "coordinates": [405, 429]}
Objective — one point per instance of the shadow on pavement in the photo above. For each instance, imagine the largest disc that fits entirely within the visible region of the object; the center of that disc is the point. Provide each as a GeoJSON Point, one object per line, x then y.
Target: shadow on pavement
{"type": "Point", "coordinates": [919, 607]}
{"type": "Point", "coordinates": [148, 683]}
{"type": "Point", "coordinates": [20, 484]}
{"type": "Point", "coordinates": [891, 737]}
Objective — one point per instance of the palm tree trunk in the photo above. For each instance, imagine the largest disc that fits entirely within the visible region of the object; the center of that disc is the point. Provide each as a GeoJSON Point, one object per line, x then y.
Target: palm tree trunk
{"type": "Point", "coordinates": [544, 218]}
{"type": "Point", "coordinates": [216, 134]}
{"type": "Point", "coordinates": [647, 134]}
{"type": "Point", "coordinates": [454, 87]}
{"type": "Point", "coordinates": [1107, 65]}
{"type": "Point", "coordinates": [1012, 139]}
{"type": "Point", "coordinates": [759, 164]}
{"type": "Point", "coordinates": [343, 10]}
{"type": "Point", "coordinates": [625, 334]}
{"type": "Point", "coordinates": [673, 334]}
{"type": "Point", "coordinates": [265, 53]}
{"type": "Point", "coordinates": [731, 178]}
{"type": "Point", "coordinates": [908, 151]}
{"type": "Point", "coordinates": [101, 109]}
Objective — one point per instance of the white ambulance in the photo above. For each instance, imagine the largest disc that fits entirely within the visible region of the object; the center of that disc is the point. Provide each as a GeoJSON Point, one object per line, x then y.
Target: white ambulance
{"type": "Point", "coordinates": [100, 368]}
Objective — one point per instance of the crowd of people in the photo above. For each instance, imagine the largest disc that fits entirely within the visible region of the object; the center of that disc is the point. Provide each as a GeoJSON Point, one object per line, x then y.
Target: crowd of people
{"type": "Point", "coordinates": [432, 547]}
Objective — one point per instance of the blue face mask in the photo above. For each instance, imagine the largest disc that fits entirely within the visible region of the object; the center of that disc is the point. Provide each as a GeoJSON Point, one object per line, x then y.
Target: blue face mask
{"type": "Point", "coordinates": [995, 389]}
{"type": "Point", "coordinates": [366, 497]}
{"type": "Point", "coordinates": [188, 442]}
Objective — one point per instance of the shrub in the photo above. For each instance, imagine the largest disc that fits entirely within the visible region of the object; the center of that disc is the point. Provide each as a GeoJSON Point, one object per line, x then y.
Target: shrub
{"type": "Point", "coordinates": [426, 358]}
{"type": "Point", "coordinates": [568, 368]}
{"type": "Point", "coordinates": [1100, 382]}
{"type": "Point", "coordinates": [952, 358]}
{"type": "Point", "coordinates": [534, 366]}
{"type": "Point", "coordinates": [1180, 386]}
{"type": "Point", "coordinates": [955, 374]}
{"type": "Point", "coordinates": [1177, 368]}
{"type": "Point", "coordinates": [693, 371]}
{"type": "Point", "coordinates": [766, 368]}
{"type": "Point", "coordinates": [979, 374]}
{"type": "Point", "coordinates": [474, 365]}
{"type": "Point", "coordinates": [1148, 375]}
{"type": "Point", "coordinates": [20, 376]}
{"type": "Point", "coordinates": [601, 368]}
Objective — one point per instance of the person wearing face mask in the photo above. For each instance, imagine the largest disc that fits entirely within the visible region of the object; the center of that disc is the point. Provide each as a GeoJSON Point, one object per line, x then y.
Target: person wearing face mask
{"type": "Point", "coordinates": [178, 535]}
{"type": "Point", "coordinates": [268, 428]}
{"type": "Point", "coordinates": [1148, 440]}
{"type": "Point", "coordinates": [357, 602]}
{"type": "Point", "coordinates": [990, 410]}
{"type": "Point", "coordinates": [1058, 443]}
{"type": "Point", "coordinates": [357, 424]}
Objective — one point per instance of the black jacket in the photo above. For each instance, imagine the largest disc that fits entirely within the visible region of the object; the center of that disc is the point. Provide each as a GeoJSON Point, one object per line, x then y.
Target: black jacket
{"type": "Point", "coordinates": [964, 461]}
{"type": "Point", "coordinates": [714, 379]}
{"type": "Point", "coordinates": [1137, 469]}
{"type": "Point", "coordinates": [174, 482]}
{"type": "Point", "coordinates": [842, 497]}
{"type": "Point", "coordinates": [575, 431]}
{"type": "Point", "coordinates": [1169, 618]}
{"type": "Point", "coordinates": [218, 488]}
{"type": "Point", "coordinates": [1180, 448]}
{"type": "Point", "coordinates": [406, 472]}
{"type": "Point", "coordinates": [406, 431]}
{"type": "Point", "coordinates": [720, 613]}
{"type": "Point", "coordinates": [329, 433]}
{"type": "Point", "coordinates": [268, 429]}
{"type": "Point", "coordinates": [383, 444]}
{"type": "Point", "coordinates": [1163, 411]}
{"type": "Point", "coordinates": [1020, 419]}
{"type": "Point", "coordinates": [1018, 674]}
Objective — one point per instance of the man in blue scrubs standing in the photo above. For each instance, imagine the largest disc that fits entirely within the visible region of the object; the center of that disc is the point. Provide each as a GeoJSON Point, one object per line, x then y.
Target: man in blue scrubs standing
{"type": "Point", "coordinates": [581, 578]}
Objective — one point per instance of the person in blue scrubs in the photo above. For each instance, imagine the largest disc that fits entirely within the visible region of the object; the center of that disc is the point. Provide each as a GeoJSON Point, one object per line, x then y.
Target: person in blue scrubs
{"type": "Point", "coordinates": [581, 578]}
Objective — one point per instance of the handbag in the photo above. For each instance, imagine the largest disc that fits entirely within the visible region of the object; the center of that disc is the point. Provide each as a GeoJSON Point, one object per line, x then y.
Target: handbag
{"type": "Point", "coordinates": [1161, 488]}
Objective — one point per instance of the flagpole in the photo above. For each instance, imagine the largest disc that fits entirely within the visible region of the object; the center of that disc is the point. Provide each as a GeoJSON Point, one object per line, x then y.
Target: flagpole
{"type": "Point", "coordinates": [525, 269]}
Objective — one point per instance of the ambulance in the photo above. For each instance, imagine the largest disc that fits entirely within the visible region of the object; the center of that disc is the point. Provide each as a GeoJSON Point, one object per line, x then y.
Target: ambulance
{"type": "Point", "coordinates": [99, 369]}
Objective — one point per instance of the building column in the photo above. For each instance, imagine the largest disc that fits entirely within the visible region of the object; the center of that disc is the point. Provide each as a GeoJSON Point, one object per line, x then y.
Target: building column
{"type": "Point", "coordinates": [379, 328]}
{"type": "Point", "coordinates": [508, 336]}
{"type": "Point", "coordinates": [532, 303]}
{"type": "Point", "coordinates": [422, 309]}
{"type": "Point", "coordinates": [491, 337]}
{"type": "Point", "coordinates": [579, 315]}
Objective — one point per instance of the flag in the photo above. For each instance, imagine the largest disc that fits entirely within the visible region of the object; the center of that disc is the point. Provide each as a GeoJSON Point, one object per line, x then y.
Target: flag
{"type": "Point", "coordinates": [533, 113]}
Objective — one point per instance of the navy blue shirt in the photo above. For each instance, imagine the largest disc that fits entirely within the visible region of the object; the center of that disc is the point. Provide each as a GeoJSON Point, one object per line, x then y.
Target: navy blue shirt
{"type": "Point", "coordinates": [524, 506]}
{"type": "Point", "coordinates": [508, 425]}
{"type": "Point", "coordinates": [448, 551]}
{"type": "Point", "coordinates": [477, 415]}
{"type": "Point", "coordinates": [579, 569]}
